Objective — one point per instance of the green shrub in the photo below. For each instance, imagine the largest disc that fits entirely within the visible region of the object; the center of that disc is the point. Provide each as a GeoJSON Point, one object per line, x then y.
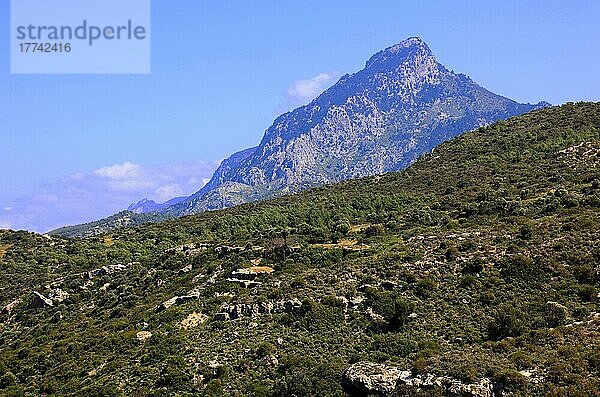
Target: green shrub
{"type": "Point", "coordinates": [507, 321]}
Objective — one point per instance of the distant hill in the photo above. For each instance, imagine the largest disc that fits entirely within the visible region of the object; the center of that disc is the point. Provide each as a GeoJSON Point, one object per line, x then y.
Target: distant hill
{"type": "Point", "coordinates": [380, 119]}
{"type": "Point", "coordinates": [144, 206]}
{"type": "Point", "coordinates": [473, 272]}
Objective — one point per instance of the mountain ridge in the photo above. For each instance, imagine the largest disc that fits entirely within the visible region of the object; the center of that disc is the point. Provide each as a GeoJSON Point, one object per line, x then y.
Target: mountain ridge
{"type": "Point", "coordinates": [380, 119]}
{"type": "Point", "coordinates": [145, 205]}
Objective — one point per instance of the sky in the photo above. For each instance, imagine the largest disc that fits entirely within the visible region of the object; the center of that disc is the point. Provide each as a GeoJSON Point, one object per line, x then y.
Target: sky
{"type": "Point", "coordinates": [75, 148]}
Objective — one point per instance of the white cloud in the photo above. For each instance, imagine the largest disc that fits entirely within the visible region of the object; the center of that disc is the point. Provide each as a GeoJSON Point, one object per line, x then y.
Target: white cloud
{"type": "Point", "coordinates": [7, 208]}
{"type": "Point", "coordinates": [168, 192]}
{"type": "Point", "coordinates": [119, 171]}
{"type": "Point", "coordinates": [86, 196]}
{"type": "Point", "coordinates": [5, 225]}
{"type": "Point", "coordinates": [303, 91]}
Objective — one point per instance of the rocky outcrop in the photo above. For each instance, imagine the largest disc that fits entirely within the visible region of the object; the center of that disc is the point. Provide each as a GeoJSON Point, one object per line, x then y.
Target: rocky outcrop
{"type": "Point", "coordinates": [57, 295]}
{"type": "Point", "coordinates": [247, 277]}
{"type": "Point", "coordinates": [251, 273]}
{"type": "Point", "coordinates": [191, 249]}
{"type": "Point", "coordinates": [177, 300]}
{"type": "Point", "coordinates": [104, 270]}
{"type": "Point", "coordinates": [193, 320]}
{"type": "Point", "coordinates": [240, 310]}
{"type": "Point", "coordinates": [366, 378]}
{"type": "Point", "coordinates": [39, 301]}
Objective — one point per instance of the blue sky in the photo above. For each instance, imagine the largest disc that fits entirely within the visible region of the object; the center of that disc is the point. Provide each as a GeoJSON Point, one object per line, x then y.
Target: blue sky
{"type": "Point", "coordinates": [78, 147]}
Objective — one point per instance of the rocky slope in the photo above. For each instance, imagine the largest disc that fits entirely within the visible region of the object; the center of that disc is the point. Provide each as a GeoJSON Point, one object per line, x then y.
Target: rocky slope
{"type": "Point", "coordinates": [380, 119]}
{"type": "Point", "coordinates": [474, 272]}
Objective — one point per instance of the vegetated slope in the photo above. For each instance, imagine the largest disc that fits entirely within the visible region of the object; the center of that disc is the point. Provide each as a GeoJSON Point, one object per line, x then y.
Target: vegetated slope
{"type": "Point", "coordinates": [380, 119]}
{"type": "Point", "coordinates": [479, 264]}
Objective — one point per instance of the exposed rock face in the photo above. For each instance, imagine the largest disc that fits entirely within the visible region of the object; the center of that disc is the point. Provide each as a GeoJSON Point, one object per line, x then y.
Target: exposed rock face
{"type": "Point", "coordinates": [191, 249]}
{"type": "Point", "coordinates": [110, 269]}
{"type": "Point", "coordinates": [366, 378]}
{"type": "Point", "coordinates": [58, 295]}
{"type": "Point", "coordinates": [251, 273]}
{"type": "Point", "coordinates": [247, 277]}
{"type": "Point", "coordinates": [177, 300]}
{"type": "Point", "coordinates": [239, 310]}
{"type": "Point", "coordinates": [401, 105]}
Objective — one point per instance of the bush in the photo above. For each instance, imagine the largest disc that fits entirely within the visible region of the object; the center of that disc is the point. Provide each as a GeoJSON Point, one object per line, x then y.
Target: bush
{"type": "Point", "coordinates": [473, 267]}
{"type": "Point", "coordinates": [393, 344]}
{"type": "Point", "coordinates": [509, 380]}
{"type": "Point", "coordinates": [425, 287]}
{"type": "Point", "coordinates": [451, 253]}
{"type": "Point", "coordinates": [508, 321]}
{"type": "Point", "coordinates": [466, 280]}
{"type": "Point", "coordinates": [375, 230]}
{"type": "Point", "coordinates": [556, 314]}
{"type": "Point", "coordinates": [393, 308]}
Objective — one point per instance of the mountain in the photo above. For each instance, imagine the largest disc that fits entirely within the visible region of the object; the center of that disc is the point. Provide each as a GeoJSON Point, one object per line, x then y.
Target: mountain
{"type": "Point", "coordinates": [145, 206]}
{"type": "Point", "coordinates": [474, 272]}
{"type": "Point", "coordinates": [380, 119]}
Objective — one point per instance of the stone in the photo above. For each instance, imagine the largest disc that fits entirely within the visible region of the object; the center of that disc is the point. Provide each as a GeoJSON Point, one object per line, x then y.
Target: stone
{"type": "Point", "coordinates": [269, 361]}
{"type": "Point", "coordinates": [185, 270]}
{"type": "Point", "coordinates": [58, 295]}
{"type": "Point", "coordinates": [177, 300]}
{"type": "Point", "coordinates": [241, 310]}
{"type": "Point", "coordinates": [365, 378]}
{"type": "Point", "coordinates": [143, 335]}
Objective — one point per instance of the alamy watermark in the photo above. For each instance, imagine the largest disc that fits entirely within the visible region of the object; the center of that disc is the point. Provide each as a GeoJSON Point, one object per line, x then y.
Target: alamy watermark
{"type": "Point", "coordinates": [80, 36]}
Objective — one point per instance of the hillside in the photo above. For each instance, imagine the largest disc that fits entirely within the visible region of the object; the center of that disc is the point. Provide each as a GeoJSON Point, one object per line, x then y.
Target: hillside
{"type": "Point", "coordinates": [379, 119]}
{"type": "Point", "coordinates": [473, 272]}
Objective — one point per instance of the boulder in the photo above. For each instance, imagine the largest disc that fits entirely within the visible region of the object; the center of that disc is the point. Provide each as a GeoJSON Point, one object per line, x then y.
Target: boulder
{"type": "Point", "coordinates": [143, 335]}
{"type": "Point", "coordinates": [366, 378]}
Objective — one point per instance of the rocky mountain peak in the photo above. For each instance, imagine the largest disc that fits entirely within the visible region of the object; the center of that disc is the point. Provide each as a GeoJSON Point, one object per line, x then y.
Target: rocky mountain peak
{"type": "Point", "coordinates": [412, 49]}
